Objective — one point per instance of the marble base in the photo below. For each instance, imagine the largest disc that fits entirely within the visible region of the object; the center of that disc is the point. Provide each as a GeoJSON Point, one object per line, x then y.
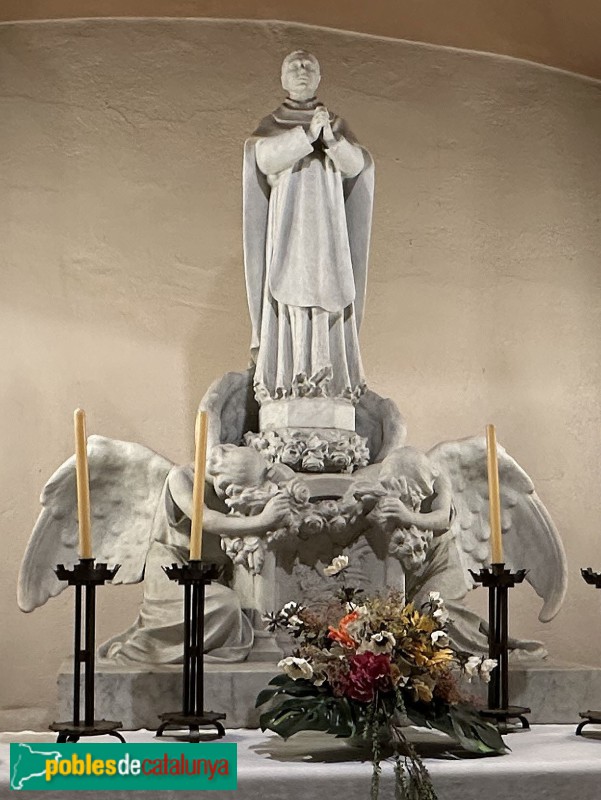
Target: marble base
{"type": "Point", "coordinates": [555, 692]}
{"type": "Point", "coordinates": [138, 697]}
{"type": "Point", "coordinates": [307, 412]}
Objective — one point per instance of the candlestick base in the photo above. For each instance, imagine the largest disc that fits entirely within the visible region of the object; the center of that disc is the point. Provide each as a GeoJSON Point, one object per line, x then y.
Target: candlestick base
{"type": "Point", "coordinates": [589, 718]}
{"type": "Point", "coordinates": [178, 720]}
{"type": "Point", "coordinates": [503, 715]}
{"type": "Point", "coordinates": [68, 732]}
{"type": "Point", "coordinates": [86, 575]}
{"type": "Point", "coordinates": [193, 576]}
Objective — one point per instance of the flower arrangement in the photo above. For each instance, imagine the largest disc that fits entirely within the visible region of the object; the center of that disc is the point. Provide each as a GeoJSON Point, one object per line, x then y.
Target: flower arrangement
{"type": "Point", "coordinates": [364, 667]}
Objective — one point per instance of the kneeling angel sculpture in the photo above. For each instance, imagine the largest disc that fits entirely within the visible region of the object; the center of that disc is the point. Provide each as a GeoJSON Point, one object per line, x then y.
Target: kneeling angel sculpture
{"type": "Point", "coordinates": [426, 513]}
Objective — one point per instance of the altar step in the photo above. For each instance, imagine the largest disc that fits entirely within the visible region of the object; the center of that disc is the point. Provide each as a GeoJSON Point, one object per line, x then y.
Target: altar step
{"type": "Point", "coordinates": [555, 692]}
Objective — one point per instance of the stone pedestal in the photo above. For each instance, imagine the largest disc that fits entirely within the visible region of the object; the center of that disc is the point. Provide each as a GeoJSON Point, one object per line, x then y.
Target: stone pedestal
{"type": "Point", "coordinates": [140, 694]}
{"type": "Point", "coordinates": [307, 412]}
{"type": "Point", "coordinates": [555, 692]}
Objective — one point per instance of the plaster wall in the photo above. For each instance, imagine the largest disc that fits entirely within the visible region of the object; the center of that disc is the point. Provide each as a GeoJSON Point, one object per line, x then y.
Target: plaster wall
{"type": "Point", "coordinates": [121, 286]}
{"type": "Point", "coordinates": [550, 32]}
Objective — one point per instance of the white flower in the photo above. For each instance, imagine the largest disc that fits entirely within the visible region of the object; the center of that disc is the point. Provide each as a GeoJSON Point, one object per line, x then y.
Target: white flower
{"type": "Point", "coordinates": [296, 668]}
{"type": "Point", "coordinates": [486, 667]}
{"type": "Point", "coordinates": [294, 622]}
{"type": "Point", "coordinates": [439, 611]}
{"type": "Point", "coordinates": [381, 642]}
{"type": "Point", "coordinates": [440, 638]}
{"type": "Point", "coordinates": [478, 665]}
{"type": "Point", "coordinates": [441, 615]}
{"type": "Point", "coordinates": [471, 666]}
{"type": "Point", "coordinates": [338, 564]}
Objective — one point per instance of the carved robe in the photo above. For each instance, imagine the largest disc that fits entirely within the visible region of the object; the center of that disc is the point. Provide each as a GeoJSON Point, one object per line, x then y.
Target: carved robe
{"type": "Point", "coordinates": [307, 218]}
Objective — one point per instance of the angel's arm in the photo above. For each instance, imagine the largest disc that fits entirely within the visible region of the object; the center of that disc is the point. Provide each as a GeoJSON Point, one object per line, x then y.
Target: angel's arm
{"type": "Point", "coordinates": [438, 519]}
{"type": "Point", "coordinates": [274, 515]}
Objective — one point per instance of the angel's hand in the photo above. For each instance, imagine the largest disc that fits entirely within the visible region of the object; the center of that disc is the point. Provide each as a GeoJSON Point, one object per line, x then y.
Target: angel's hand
{"type": "Point", "coordinates": [392, 511]}
{"type": "Point", "coordinates": [276, 514]}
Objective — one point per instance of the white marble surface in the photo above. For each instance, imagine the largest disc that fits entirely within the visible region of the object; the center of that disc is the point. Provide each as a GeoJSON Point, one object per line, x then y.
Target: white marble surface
{"type": "Point", "coordinates": [547, 763]}
{"type": "Point", "coordinates": [554, 692]}
{"type": "Point", "coordinates": [307, 412]}
{"type": "Point", "coordinates": [136, 696]}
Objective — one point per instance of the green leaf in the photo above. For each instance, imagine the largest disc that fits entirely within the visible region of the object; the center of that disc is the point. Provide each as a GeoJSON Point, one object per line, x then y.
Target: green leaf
{"type": "Point", "coordinates": [279, 680]}
{"type": "Point", "coordinates": [315, 713]}
{"type": "Point", "coordinates": [473, 732]}
{"type": "Point", "coordinates": [462, 722]}
{"type": "Point", "coordinates": [293, 688]}
{"type": "Point", "coordinates": [265, 695]}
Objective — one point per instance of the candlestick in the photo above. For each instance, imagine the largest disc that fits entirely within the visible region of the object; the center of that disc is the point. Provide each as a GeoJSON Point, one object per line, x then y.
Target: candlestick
{"type": "Point", "coordinates": [83, 484]}
{"type": "Point", "coordinates": [499, 580]}
{"type": "Point", "coordinates": [200, 463]}
{"type": "Point", "coordinates": [494, 497]}
{"type": "Point", "coordinates": [194, 577]}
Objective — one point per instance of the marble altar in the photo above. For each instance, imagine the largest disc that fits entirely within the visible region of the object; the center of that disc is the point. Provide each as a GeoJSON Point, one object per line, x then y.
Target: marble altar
{"type": "Point", "coordinates": [547, 762]}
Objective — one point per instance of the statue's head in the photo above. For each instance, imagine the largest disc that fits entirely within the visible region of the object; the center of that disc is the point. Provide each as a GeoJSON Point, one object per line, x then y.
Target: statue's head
{"type": "Point", "coordinates": [300, 75]}
{"type": "Point", "coordinates": [229, 465]}
{"type": "Point", "coordinates": [410, 469]}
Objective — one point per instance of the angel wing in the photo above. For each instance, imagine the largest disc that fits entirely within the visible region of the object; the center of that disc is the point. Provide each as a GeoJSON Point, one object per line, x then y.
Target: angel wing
{"type": "Point", "coordinates": [530, 539]}
{"type": "Point", "coordinates": [126, 482]}
{"type": "Point", "coordinates": [231, 408]}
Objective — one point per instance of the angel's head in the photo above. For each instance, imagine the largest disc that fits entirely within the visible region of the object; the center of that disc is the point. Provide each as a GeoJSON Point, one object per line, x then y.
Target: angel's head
{"type": "Point", "coordinates": [411, 473]}
{"type": "Point", "coordinates": [229, 465]}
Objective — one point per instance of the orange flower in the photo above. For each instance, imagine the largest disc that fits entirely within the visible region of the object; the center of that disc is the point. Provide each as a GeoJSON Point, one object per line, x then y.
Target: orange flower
{"type": "Point", "coordinates": [341, 634]}
{"type": "Point", "coordinates": [342, 637]}
{"type": "Point", "coordinates": [354, 615]}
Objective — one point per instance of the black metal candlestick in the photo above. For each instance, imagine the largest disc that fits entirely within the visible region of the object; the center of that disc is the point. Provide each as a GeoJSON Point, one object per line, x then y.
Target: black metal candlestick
{"type": "Point", "coordinates": [590, 717]}
{"type": "Point", "coordinates": [86, 575]}
{"type": "Point", "coordinates": [499, 580]}
{"type": "Point", "coordinates": [194, 576]}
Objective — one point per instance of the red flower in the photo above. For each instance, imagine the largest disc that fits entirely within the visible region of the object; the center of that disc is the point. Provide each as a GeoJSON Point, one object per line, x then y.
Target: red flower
{"type": "Point", "coordinates": [368, 673]}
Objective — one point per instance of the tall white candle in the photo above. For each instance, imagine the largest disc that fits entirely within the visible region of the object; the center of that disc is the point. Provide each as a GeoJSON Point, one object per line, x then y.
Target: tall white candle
{"type": "Point", "coordinates": [494, 496]}
{"type": "Point", "coordinates": [200, 464]}
{"type": "Point", "coordinates": [83, 484]}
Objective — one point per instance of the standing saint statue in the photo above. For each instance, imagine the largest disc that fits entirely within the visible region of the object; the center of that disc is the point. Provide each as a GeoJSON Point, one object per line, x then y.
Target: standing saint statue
{"type": "Point", "coordinates": [308, 195]}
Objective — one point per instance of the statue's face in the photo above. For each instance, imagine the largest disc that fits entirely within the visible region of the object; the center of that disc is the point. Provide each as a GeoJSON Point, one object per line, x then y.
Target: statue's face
{"type": "Point", "coordinates": [300, 76]}
{"type": "Point", "coordinates": [239, 466]}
